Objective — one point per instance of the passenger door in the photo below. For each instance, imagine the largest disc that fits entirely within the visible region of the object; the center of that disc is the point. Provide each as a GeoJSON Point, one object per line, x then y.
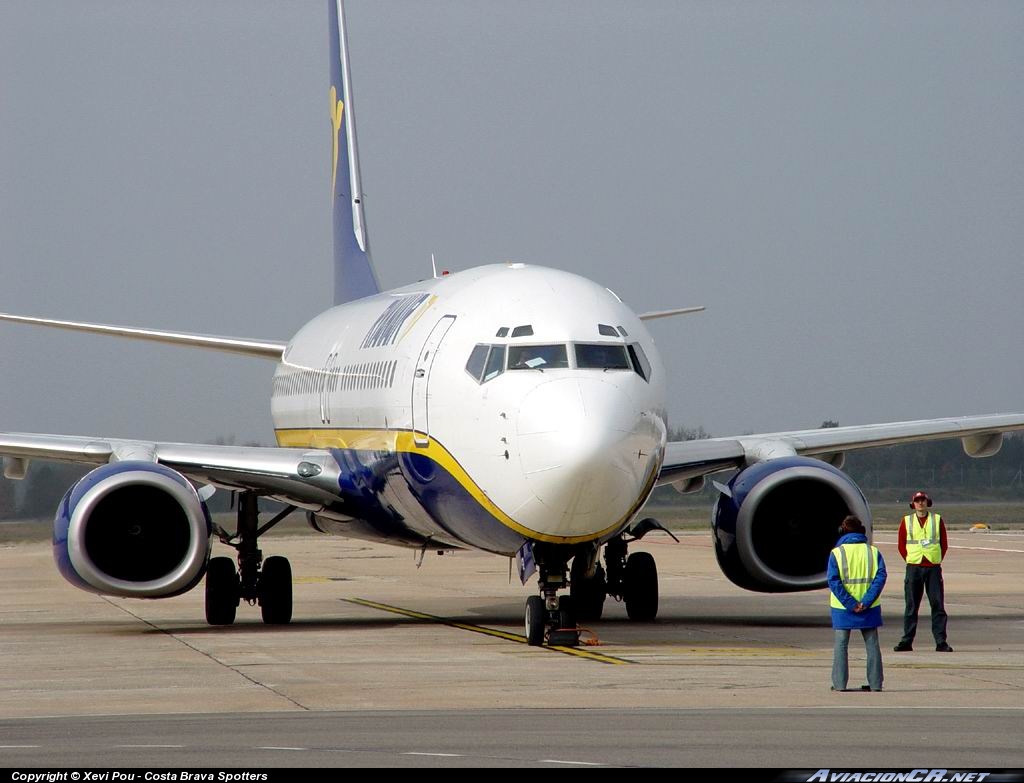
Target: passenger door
{"type": "Point", "coordinates": [421, 380]}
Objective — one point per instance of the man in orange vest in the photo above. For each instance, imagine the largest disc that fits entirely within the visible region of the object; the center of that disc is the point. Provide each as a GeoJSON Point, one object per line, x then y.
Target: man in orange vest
{"type": "Point", "coordinates": [922, 543]}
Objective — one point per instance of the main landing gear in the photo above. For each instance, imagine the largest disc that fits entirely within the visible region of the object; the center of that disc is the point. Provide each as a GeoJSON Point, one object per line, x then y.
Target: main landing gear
{"type": "Point", "coordinates": [632, 578]}
{"type": "Point", "coordinates": [266, 582]}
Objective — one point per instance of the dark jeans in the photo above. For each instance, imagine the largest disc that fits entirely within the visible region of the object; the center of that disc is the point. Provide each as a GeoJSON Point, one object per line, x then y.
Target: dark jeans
{"type": "Point", "coordinates": [919, 580]}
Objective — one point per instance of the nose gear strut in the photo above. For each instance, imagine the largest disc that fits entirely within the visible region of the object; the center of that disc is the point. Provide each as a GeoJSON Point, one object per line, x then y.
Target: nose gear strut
{"type": "Point", "coordinates": [551, 618]}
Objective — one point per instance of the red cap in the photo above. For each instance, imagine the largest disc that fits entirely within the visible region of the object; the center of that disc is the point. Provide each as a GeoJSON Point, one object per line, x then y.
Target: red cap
{"type": "Point", "coordinates": [920, 496]}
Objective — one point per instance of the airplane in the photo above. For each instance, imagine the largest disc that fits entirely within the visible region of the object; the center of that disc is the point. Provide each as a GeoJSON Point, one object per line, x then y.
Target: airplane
{"type": "Point", "coordinates": [508, 408]}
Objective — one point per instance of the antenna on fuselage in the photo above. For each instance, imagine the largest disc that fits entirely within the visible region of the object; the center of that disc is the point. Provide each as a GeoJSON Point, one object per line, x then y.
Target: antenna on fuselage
{"type": "Point", "coordinates": [433, 265]}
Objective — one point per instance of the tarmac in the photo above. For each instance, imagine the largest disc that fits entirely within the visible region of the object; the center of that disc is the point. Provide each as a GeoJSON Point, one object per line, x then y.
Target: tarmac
{"type": "Point", "coordinates": [378, 639]}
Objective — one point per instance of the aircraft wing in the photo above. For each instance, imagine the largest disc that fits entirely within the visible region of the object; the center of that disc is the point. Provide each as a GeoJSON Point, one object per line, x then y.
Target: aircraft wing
{"type": "Point", "coordinates": [264, 349]}
{"type": "Point", "coordinates": [981, 436]}
{"type": "Point", "coordinates": [301, 477]}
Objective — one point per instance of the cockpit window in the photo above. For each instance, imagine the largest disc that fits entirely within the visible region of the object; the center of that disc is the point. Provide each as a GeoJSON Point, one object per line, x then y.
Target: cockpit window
{"type": "Point", "coordinates": [523, 331]}
{"type": "Point", "coordinates": [640, 363]}
{"type": "Point", "coordinates": [486, 362]}
{"type": "Point", "coordinates": [495, 363]}
{"type": "Point", "coordinates": [502, 332]}
{"type": "Point", "coordinates": [477, 360]}
{"type": "Point", "coordinates": [606, 330]}
{"type": "Point", "coordinates": [537, 357]}
{"type": "Point", "coordinates": [606, 356]}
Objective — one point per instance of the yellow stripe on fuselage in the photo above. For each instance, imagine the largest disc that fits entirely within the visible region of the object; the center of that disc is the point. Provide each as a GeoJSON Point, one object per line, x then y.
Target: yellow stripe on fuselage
{"type": "Point", "coordinates": [401, 441]}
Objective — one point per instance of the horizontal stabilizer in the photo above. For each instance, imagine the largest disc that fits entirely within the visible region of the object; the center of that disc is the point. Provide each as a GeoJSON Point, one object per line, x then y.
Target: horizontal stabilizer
{"type": "Point", "coordinates": [668, 313]}
{"type": "Point", "coordinates": [265, 349]}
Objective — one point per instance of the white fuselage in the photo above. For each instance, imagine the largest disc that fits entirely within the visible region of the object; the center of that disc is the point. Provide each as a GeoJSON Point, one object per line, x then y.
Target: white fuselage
{"type": "Point", "coordinates": [488, 454]}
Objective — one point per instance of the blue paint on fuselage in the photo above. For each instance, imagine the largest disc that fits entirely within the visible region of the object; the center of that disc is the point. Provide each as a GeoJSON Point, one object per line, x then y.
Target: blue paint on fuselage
{"type": "Point", "coordinates": [409, 498]}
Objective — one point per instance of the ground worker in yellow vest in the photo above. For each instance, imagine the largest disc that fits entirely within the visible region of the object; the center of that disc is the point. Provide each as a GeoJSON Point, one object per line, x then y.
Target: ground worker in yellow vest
{"type": "Point", "coordinates": [922, 543]}
{"type": "Point", "coordinates": [856, 576]}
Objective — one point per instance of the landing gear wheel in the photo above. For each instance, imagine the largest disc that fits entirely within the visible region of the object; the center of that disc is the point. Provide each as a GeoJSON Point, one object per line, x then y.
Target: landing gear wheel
{"type": "Point", "coordinates": [641, 587]}
{"type": "Point", "coordinates": [588, 594]}
{"type": "Point", "coordinates": [536, 620]}
{"type": "Point", "coordinates": [275, 591]}
{"type": "Point", "coordinates": [222, 591]}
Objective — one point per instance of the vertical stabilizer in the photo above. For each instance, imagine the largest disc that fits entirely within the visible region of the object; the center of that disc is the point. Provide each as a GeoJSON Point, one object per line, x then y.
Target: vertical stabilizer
{"type": "Point", "coordinates": [354, 277]}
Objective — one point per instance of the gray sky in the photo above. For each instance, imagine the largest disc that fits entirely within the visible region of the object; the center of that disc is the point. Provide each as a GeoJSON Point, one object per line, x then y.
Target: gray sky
{"type": "Point", "coordinates": [842, 184]}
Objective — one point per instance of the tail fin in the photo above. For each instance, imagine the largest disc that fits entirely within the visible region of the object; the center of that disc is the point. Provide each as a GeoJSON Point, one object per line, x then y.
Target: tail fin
{"type": "Point", "coordinates": [354, 277]}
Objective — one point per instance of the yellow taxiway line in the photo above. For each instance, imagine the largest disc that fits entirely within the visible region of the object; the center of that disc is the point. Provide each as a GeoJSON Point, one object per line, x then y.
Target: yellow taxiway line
{"type": "Point", "coordinates": [509, 637]}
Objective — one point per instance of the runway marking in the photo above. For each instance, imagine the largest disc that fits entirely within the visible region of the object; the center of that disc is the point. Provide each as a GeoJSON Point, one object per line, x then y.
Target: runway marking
{"type": "Point", "coordinates": [442, 755]}
{"type": "Point", "coordinates": [575, 763]}
{"type": "Point", "coordinates": [509, 637]}
{"type": "Point", "coordinates": [974, 548]}
{"type": "Point", "coordinates": [272, 747]}
{"type": "Point", "coordinates": [149, 746]}
{"type": "Point", "coordinates": [960, 666]}
{"type": "Point", "coordinates": [18, 747]}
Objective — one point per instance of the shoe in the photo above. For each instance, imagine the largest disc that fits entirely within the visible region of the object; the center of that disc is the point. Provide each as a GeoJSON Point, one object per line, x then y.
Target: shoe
{"type": "Point", "coordinates": [944, 647]}
{"type": "Point", "coordinates": [903, 647]}
{"type": "Point", "coordinates": [865, 687]}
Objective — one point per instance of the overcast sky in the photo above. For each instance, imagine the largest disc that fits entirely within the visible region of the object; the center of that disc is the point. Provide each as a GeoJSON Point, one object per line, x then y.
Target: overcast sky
{"type": "Point", "coordinates": [841, 184]}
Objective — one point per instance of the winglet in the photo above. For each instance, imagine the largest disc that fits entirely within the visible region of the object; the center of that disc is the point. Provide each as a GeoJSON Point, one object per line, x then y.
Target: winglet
{"type": "Point", "coordinates": [354, 277]}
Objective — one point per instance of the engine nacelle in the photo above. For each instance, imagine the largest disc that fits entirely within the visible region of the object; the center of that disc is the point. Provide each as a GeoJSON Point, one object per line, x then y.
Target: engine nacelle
{"type": "Point", "coordinates": [134, 529]}
{"type": "Point", "coordinates": [778, 522]}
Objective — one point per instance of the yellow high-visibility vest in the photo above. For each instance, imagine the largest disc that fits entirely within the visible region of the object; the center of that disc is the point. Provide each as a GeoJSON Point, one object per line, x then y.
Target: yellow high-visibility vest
{"type": "Point", "coordinates": [924, 540]}
{"type": "Point", "coordinates": [858, 564]}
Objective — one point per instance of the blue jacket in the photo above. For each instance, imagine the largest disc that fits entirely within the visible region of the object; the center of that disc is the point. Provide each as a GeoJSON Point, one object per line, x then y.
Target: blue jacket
{"type": "Point", "coordinates": [847, 618]}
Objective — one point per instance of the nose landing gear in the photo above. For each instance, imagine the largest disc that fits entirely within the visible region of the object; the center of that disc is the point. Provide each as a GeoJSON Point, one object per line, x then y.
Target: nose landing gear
{"type": "Point", "coordinates": [551, 618]}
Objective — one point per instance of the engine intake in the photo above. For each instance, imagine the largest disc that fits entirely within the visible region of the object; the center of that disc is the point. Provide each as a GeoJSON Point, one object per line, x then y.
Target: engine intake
{"type": "Point", "coordinates": [133, 529]}
{"type": "Point", "coordinates": [778, 521]}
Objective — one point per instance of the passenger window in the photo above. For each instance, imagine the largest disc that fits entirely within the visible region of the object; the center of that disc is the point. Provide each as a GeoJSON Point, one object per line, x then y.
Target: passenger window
{"type": "Point", "coordinates": [477, 360]}
{"type": "Point", "coordinates": [495, 363]}
{"type": "Point", "coordinates": [640, 363]}
{"type": "Point", "coordinates": [601, 357]}
{"type": "Point", "coordinates": [537, 357]}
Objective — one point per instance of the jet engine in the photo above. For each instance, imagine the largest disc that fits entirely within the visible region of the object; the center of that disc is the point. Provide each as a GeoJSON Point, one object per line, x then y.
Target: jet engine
{"type": "Point", "coordinates": [776, 522]}
{"type": "Point", "coordinates": [134, 529]}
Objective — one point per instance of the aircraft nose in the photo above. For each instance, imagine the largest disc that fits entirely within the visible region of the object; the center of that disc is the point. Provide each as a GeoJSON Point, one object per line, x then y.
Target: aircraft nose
{"type": "Point", "coordinates": [586, 451]}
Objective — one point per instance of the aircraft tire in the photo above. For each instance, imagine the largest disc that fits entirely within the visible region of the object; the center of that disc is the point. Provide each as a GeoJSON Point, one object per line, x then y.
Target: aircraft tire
{"type": "Point", "coordinates": [641, 587]}
{"type": "Point", "coordinates": [222, 591]}
{"type": "Point", "coordinates": [275, 591]}
{"type": "Point", "coordinates": [536, 620]}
